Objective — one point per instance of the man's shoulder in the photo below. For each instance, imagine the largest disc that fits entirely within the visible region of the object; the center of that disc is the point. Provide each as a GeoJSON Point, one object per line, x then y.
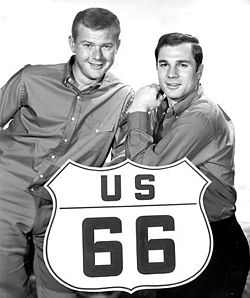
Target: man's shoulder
{"type": "Point", "coordinates": [43, 70]}
{"type": "Point", "coordinates": [111, 79]}
{"type": "Point", "coordinates": [207, 109]}
{"type": "Point", "coordinates": [205, 105]}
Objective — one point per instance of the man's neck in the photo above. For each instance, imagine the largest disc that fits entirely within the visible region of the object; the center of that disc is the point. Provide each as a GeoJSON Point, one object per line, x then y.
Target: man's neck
{"type": "Point", "coordinates": [174, 101]}
{"type": "Point", "coordinates": [82, 82]}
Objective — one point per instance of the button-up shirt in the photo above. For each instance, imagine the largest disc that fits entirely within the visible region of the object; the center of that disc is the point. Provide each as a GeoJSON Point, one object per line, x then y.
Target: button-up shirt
{"type": "Point", "coordinates": [195, 128]}
{"type": "Point", "coordinates": [51, 121]}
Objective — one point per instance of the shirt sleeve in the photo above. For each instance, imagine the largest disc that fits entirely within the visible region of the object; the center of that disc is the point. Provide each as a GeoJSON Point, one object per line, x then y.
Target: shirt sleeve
{"type": "Point", "coordinates": [118, 146]}
{"type": "Point", "coordinates": [189, 137]}
{"type": "Point", "coordinates": [11, 98]}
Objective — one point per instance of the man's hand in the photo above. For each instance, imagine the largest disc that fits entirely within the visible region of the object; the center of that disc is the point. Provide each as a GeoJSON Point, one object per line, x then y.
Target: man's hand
{"type": "Point", "coordinates": [146, 99]}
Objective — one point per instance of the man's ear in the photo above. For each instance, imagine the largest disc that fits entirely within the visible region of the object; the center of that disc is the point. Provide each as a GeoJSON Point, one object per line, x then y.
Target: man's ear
{"type": "Point", "coordinates": [118, 44]}
{"type": "Point", "coordinates": [199, 72]}
{"type": "Point", "coordinates": [72, 44]}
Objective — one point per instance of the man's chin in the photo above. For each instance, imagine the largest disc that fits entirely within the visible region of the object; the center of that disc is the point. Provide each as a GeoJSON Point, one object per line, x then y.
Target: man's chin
{"type": "Point", "coordinates": [172, 96]}
{"type": "Point", "coordinates": [96, 75]}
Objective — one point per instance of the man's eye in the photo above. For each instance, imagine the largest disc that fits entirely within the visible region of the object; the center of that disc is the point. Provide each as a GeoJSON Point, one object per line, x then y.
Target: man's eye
{"type": "Point", "coordinates": [162, 65]}
{"type": "Point", "coordinates": [87, 45]}
{"type": "Point", "coordinates": [107, 47]}
{"type": "Point", "coordinates": [183, 65]}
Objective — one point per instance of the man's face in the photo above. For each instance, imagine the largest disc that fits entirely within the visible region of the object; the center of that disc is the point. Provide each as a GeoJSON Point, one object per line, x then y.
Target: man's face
{"type": "Point", "coordinates": [95, 52]}
{"type": "Point", "coordinates": [176, 69]}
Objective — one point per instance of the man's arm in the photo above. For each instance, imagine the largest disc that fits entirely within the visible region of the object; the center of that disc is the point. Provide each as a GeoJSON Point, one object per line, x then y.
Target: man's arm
{"type": "Point", "coordinates": [118, 146]}
{"type": "Point", "coordinates": [10, 98]}
{"type": "Point", "coordinates": [188, 136]}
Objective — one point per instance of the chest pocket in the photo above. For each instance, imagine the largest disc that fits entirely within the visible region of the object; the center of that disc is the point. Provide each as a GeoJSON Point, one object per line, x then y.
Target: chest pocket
{"type": "Point", "coordinates": [102, 127]}
{"type": "Point", "coordinates": [96, 129]}
{"type": "Point", "coordinates": [99, 135]}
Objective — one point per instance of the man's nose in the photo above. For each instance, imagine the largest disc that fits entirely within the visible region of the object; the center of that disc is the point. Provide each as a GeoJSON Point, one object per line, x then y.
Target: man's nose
{"type": "Point", "coordinates": [172, 72]}
{"type": "Point", "coordinates": [97, 53]}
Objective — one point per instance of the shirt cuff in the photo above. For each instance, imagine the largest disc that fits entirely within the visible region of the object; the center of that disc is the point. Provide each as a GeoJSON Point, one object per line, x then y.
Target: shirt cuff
{"type": "Point", "coordinates": [138, 120]}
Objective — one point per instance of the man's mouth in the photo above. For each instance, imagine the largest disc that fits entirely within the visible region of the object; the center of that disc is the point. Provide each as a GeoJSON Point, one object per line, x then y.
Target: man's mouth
{"type": "Point", "coordinates": [173, 86]}
{"type": "Point", "coordinates": [96, 65]}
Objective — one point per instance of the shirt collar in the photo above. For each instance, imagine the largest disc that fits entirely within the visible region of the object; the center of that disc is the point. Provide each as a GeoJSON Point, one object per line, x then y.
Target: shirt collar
{"type": "Point", "coordinates": [68, 71]}
{"type": "Point", "coordinates": [185, 102]}
{"type": "Point", "coordinates": [69, 79]}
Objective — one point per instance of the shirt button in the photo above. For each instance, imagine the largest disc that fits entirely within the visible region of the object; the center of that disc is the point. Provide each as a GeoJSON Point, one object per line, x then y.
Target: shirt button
{"type": "Point", "coordinates": [73, 118]}
{"type": "Point", "coordinates": [65, 140]}
{"type": "Point", "coordinates": [78, 97]}
{"type": "Point", "coordinates": [41, 176]}
{"type": "Point", "coordinates": [97, 130]}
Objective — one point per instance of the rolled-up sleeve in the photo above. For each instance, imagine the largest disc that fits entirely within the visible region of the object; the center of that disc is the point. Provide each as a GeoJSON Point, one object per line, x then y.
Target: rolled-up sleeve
{"type": "Point", "coordinates": [118, 146]}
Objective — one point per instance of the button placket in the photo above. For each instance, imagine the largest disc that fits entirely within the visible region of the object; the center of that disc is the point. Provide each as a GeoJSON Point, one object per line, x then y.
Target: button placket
{"type": "Point", "coordinates": [72, 124]}
{"type": "Point", "coordinates": [46, 169]}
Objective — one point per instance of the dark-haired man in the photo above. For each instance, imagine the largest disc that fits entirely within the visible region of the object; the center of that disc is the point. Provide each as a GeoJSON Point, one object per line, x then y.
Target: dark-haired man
{"type": "Point", "coordinates": [184, 122]}
{"type": "Point", "coordinates": [55, 112]}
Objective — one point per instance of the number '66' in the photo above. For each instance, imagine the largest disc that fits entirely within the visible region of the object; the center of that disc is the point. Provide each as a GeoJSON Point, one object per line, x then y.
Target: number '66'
{"type": "Point", "coordinates": [143, 245]}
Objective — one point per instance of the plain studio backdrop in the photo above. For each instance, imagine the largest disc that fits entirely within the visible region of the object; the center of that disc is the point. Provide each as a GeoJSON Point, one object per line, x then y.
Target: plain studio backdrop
{"type": "Point", "coordinates": [36, 32]}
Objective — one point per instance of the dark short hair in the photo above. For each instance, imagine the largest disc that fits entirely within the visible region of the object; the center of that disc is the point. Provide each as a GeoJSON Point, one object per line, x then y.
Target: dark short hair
{"type": "Point", "coordinates": [96, 18]}
{"type": "Point", "coordinates": [174, 39]}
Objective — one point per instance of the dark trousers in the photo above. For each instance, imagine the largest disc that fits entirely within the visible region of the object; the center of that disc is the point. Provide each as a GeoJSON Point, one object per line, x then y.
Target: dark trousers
{"type": "Point", "coordinates": [226, 273]}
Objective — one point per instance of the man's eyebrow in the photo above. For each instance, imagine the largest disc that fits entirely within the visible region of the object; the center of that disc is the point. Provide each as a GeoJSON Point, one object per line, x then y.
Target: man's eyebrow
{"type": "Point", "coordinates": [179, 61]}
{"type": "Point", "coordinates": [162, 60]}
{"type": "Point", "coordinates": [108, 43]}
{"type": "Point", "coordinates": [184, 60]}
{"type": "Point", "coordinates": [92, 43]}
{"type": "Point", "coordinates": [87, 41]}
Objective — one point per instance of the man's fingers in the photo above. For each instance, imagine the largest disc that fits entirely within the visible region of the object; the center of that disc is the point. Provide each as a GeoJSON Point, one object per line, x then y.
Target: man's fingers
{"type": "Point", "coordinates": [155, 86]}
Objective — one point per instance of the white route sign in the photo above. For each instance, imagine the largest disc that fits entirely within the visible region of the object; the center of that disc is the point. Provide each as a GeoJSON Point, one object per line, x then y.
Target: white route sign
{"type": "Point", "coordinates": [127, 227]}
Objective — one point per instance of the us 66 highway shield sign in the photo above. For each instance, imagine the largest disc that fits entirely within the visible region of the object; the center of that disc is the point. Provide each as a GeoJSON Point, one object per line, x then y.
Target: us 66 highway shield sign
{"type": "Point", "coordinates": [127, 227]}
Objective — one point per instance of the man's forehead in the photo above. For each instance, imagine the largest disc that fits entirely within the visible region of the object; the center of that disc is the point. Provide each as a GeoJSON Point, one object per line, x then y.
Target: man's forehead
{"type": "Point", "coordinates": [106, 33]}
{"type": "Point", "coordinates": [181, 51]}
